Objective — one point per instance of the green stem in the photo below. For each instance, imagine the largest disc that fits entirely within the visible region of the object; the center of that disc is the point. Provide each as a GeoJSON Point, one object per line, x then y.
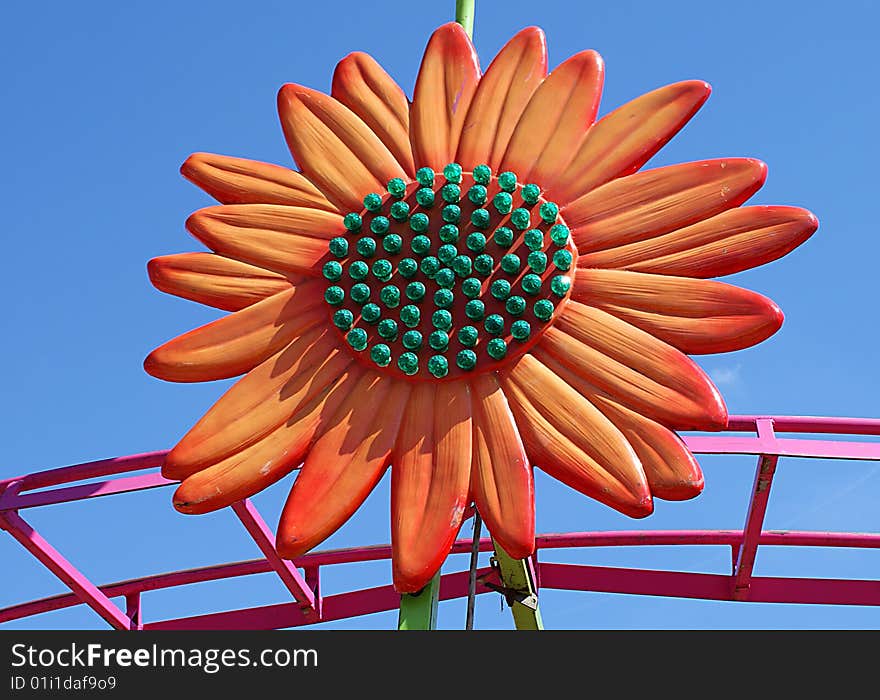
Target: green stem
{"type": "Point", "coordinates": [418, 611]}
{"type": "Point", "coordinates": [464, 15]}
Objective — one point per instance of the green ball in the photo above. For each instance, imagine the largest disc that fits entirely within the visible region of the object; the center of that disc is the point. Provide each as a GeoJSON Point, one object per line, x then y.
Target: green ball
{"type": "Point", "coordinates": [380, 225]}
{"type": "Point", "coordinates": [510, 263]}
{"type": "Point", "coordinates": [466, 359]}
{"type": "Point", "coordinates": [399, 211]}
{"type": "Point", "coordinates": [560, 285]}
{"type": "Point", "coordinates": [415, 291]}
{"type": "Point", "coordinates": [451, 213]}
{"type": "Point", "coordinates": [494, 324]}
{"type": "Point", "coordinates": [396, 187]}
{"type": "Point", "coordinates": [390, 296]}
{"type": "Point", "coordinates": [534, 239]}
{"type": "Point", "coordinates": [442, 319]}
{"type": "Point", "coordinates": [445, 278]}
{"type": "Point", "coordinates": [366, 246]}
{"type": "Point", "coordinates": [450, 193]}
{"type": "Point", "coordinates": [496, 348]}
{"type": "Point", "coordinates": [549, 211]}
{"type": "Point", "coordinates": [412, 340]}
{"type": "Point", "coordinates": [476, 242]}
{"type": "Point", "coordinates": [332, 270]}
{"type": "Point", "coordinates": [477, 195]}
{"type": "Point", "coordinates": [482, 174]}
{"type": "Point", "coordinates": [425, 197]}
{"type": "Point", "coordinates": [357, 338]}
{"type": "Point", "coordinates": [382, 269]}
{"type": "Point", "coordinates": [420, 244]}
{"type": "Point", "coordinates": [343, 319]}
{"type": "Point", "coordinates": [448, 233]}
{"type": "Point", "coordinates": [381, 354]}
{"type": "Point", "coordinates": [334, 295]}
{"type": "Point", "coordinates": [559, 234]}
{"type": "Point", "coordinates": [339, 247]}
{"type": "Point", "coordinates": [425, 177]}
{"type": "Point", "coordinates": [407, 267]}
{"type": "Point", "coordinates": [438, 366]}
{"type": "Point", "coordinates": [531, 284]}
{"type": "Point", "coordinates": [500, 289]}
{"type": "Point", "coordinates": [447, 253]}
{"type": "Point", "coordinates": [408, 363]}
{"type": "Point", "coordinates": [471, 287]}
{"type": "Point", "coordinates": [410, 315]}
{"type": "Point", "coordinates": [371, 313]}
{"type": "Point", "coordinates": [530, 193]}
{"type": "Point", "coordinates": [520, 330]}
{"type": "Point", "coordinates": [562, 259]}
{"type": "Point", "coordinates": [515, 305]}
{"type": "Point", "coordinates": [521, 218]}
{"type": "Point", "coordinates": [462, 265]}
{"type": "Point", "coordinates": [502, 202]}
{"type": "Point", "coordinates": [543, 309]}
{"type": "Point", "coordinates": [419, 222]}
{"type": "Point", "coordinates": [430, 266]}
{"type": "Point", "coordinates": [480, 218]}
{"type": "Point", "coordinates": [537, 261]}
{"type": "Point", "coordinates": [452, 172]}
{"type": "Point", "coordinates": [475, 309]}
{"type": "Point", "coordinates": [373, 202]}
{"type": "Point", "coordinates": [352, 222]}
{"type": "Point", "coordinates": [360, 293]}
{"type": "Point", "coordinates": [387, 328]}
{"type": "Point", "coordinates": [443, 298]}
{"type": "Point", "coordinates": [468, 336]}
{"type": "Point", "coordinates": [358, 270]}
{"type": "Point", "coordinates": [438, 340]}
{"type": "Point", "coordinates": [507, 181]}
{"type": "Point", "coordinates": [503, 237]}
{"type": "Point", "coordinates": [483, 264]}
{"type": "Point", "coordinates": [392, 243]}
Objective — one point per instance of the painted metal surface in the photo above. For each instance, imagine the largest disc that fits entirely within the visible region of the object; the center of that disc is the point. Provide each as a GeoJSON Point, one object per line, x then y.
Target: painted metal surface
{"type": "Point", "coordinates": [308, 606]}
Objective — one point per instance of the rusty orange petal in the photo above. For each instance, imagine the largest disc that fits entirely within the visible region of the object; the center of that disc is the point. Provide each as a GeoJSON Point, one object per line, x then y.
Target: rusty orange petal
{"type": "Point", "coordinates": [214, 280]}
{"type": "Point", "coordinates": [344, 464]}
{"type": "Point", "coordinates": [241, 181]}
{"type": "Point", "coordinates": [429, 481]}
{"type": "Point", "coordinates": [645, 373]}
{"type": "Point", "coordinates": [363, 86]}
{"type": "Point", "coordinates": [624, 140]}
{"type": "Point", "coordinates": [283, 239]}
{"type": "Point", "coordinates": [502, 95]}
{"type": "Point", "coordinates": [733, 241]}
{"type": "Point", "coordinates": [501, 481]}
{"type": "Point", "coordinates": [556, 120]}
{"type": "Point", "coordinates": [237, 343]}
{"type": "Point", "coordinates": [696, 316]}
{"type": "Point", "coordinates": [261, 464]}
{"type": "Point", "coordinates": [444, 89]}
{"type": "Point", "coordinates": [333, 147]}
{"type": "Point", "coordinates": [654, 202]}
{"type": "Point", "coordinates": [260, 402]}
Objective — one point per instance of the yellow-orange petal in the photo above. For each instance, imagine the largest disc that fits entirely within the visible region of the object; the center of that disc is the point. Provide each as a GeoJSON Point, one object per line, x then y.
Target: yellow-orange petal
{"type": "Point", "coordinates": [278, 238]}
{"type": "Point", "coordinates": [643, 372]}
{"type": "Point", "coordinates": [260, 402]}
{"type": "Point", "coordinates": [694, 315]}
{"type": "Point", "coordinates": [572, 440]}
{"type": "Point", "coordinates": [214, 280]}
{"type": "Point", "coordinates": [624, 140]}
{"type": "Point", "coordinates": [232, 180]}
{"type": "Point", "coordinates": [430, 473]}
{"type": "Point", "coordinates": [501, 478]}
{"type": "Point", "coordinates": [237, 343]}
{"type": "Point", "coordinates": [444, 89]}
{"type": "Point", "coordinates": [334, 148]}
{"type": "Point", "coordinates": [502, 95]}
{"type": "Point", "coordinates": [736, 240]}
{"type": "Point", "coordinates": [363, 86]}
{"type": "Point", "coordinates": [344, 465]}
{"type": "Point", "coordinates": [556, 120]}
{"type": "Point", "coordinates": [261, 464]}
{"type": "Point", "coordinates": [654, 202]}
{"type": "Point", "coordinates": [671, 470]}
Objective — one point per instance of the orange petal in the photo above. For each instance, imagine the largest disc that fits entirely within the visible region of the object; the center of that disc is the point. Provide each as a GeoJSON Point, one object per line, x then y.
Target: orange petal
{"type": "Point", "coordinates": [556, 120]}
{"type": "Point", "coordinates": [283, 239]}
{"type": "Point", "coordinates": [502, 95]}
{"type": "Point", "coordinates": [429, 481]}
{"type": "Point", "coordinates": [237, 343]}
{"type": "Point", "coordinates": [214, 280]}
{"type": "Point", "coordinates": [501, 479]}
{"type": "Point", "coordinates": [444, 89]}
{"type": "Point", "coordinates": [334, 148]}
{"type": "Point", "coordinates": [731, 242]}
{"type": "Point", "coordinates": [671, 470]}
{"type": "Point", "coordinates": [695, 316]}
{"type": "Point", "coordinates": [570, 439]}
{"type": "Point", "coordinates": [240, 181]}
{"type": "Point", "coordinates": [363, 86]}
{"type": "Point", "coordinates": [643, 372]}
{"type": "Point", "coordinates": [245, 473]}
{"type": "Point", "coordinates": [260, 402]}
{"type": "Point", "coordinates": [344, 465]}
{"type": "Point", "coordinates": [654, 202]}
{"type": "Point", "coordinates": [624, 140]}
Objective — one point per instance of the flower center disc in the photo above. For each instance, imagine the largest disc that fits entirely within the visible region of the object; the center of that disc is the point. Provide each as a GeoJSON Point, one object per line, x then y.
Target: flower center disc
{"type": "Point", "coordinates": [450, 274]}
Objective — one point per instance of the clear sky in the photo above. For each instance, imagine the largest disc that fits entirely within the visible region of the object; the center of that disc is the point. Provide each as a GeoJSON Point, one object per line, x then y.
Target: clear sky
{"type": "Point", "coordinates": [102, 101]}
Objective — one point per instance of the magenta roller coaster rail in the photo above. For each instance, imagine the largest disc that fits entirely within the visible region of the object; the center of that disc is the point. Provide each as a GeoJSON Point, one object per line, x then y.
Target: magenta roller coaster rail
{"type": "Point", "coordinates": [303, 577]}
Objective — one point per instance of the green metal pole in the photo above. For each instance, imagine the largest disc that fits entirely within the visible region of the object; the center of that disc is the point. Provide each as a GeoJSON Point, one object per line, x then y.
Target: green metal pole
{"type": "Point", "coordinates": [418, 611]}
{"type": "Point", "coordinates": [516, 576]}
{"type": "Point", "coordinates": [464, 15]}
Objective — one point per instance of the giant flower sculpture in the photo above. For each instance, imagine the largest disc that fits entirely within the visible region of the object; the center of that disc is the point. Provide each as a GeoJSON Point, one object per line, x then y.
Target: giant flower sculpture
{"type": "Point", "coordinates": [460, 288]}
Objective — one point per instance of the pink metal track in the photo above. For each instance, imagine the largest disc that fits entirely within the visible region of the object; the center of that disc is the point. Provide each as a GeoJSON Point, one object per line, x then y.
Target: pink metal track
{"type": "Point", "coordinates": [302, 578]}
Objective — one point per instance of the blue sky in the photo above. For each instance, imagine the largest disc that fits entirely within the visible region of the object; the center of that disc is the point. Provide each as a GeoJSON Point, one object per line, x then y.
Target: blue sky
{"type": "Point", "coordinates": [103, 101]}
